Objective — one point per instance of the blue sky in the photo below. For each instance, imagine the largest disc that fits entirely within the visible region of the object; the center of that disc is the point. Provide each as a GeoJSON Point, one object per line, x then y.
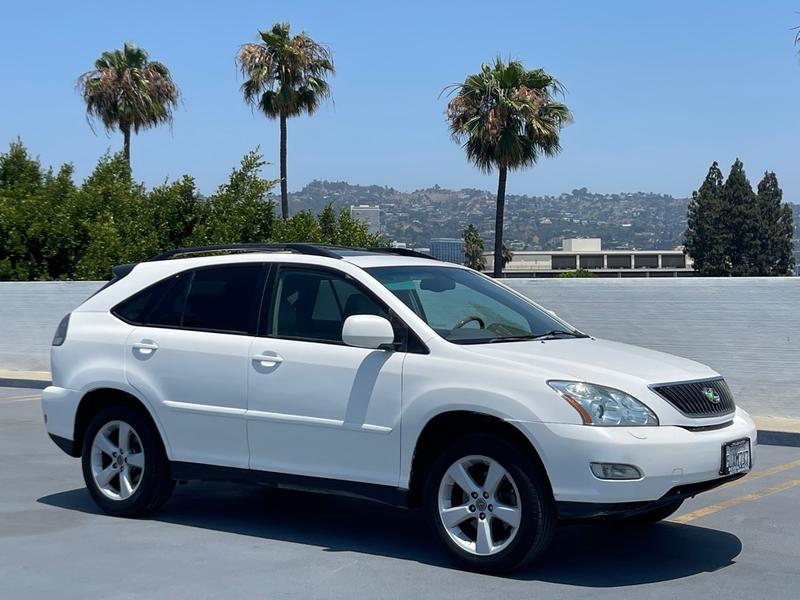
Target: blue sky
{"type": "Point", "coordinates": [658, 89]}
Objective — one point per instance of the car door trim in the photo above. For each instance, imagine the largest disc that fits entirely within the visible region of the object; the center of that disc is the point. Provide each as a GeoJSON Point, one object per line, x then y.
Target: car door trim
{"type": "Point", "coordinates": [276, 417]}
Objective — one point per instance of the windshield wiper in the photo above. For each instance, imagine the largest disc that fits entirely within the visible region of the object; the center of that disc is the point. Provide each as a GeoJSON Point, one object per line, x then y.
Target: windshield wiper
{"type": "Point", "coordinates": [555, 333]}
{"type": "Point", "coordinates": [513, 338]}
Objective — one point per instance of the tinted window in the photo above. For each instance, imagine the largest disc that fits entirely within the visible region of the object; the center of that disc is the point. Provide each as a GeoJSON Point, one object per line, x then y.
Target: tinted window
{"type": "Point", "coordinates": [224, 299]}
{"type": "Point", "coordinates": [159, 305]}
{"type": "Point", "coordinates": [313, 305]}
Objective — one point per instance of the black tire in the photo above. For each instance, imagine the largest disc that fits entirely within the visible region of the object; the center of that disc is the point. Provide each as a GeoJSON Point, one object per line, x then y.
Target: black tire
{"type": "Point", "coordinates": [538, 519]}
{"type": "Point", "coordinates": [155, 483]}
{"type": "Point", "coordinates": [653, 516]}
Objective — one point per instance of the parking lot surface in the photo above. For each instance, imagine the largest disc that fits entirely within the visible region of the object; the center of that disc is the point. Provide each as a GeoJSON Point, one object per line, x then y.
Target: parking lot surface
{"type": "Point", "coordinates": [225, 540]}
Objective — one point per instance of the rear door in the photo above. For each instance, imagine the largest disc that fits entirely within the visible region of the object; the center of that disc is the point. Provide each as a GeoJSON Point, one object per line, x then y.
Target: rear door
{"type": "Point", "coordinates": [316, 406]}
{"type": "Point", "coordinates": [190, 356]}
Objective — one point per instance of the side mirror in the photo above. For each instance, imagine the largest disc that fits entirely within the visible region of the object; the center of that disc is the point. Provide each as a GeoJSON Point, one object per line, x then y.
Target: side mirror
{"type": "Point", "coordinates": [552, 313]}
{"type": "Point", "coordinates": [368, 331]}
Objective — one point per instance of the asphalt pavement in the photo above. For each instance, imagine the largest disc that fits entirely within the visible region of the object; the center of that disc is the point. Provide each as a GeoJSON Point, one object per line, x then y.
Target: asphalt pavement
{"type": "Point", "coordinates": [230, 541]}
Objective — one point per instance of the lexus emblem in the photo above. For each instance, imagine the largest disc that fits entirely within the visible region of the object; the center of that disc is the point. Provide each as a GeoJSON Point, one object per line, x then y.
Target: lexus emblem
{"type": "Point", "coordinates": [712, 395]}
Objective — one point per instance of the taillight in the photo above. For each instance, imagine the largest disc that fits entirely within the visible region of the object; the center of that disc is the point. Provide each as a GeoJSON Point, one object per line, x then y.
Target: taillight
{"type": "Point", "coordinates": [61, 332]}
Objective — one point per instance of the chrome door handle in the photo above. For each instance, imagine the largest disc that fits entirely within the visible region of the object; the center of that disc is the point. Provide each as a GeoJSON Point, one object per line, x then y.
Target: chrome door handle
{"type": "Point", "coordinates": [268, 360]}
{"type": "Point", "coordinates": [145, 346]}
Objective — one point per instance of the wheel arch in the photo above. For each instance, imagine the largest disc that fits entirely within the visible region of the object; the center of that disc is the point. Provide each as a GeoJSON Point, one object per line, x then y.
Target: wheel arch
{"type": "Point", "coordinates": [96, 399]}
{"type": "Point", "coordinates": [445, 427]}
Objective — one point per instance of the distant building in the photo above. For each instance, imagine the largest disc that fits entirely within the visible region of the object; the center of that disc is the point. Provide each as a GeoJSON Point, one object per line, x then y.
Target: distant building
{"type": "Point", "coordinates": [448, 249]}
{"type": "Point", "coordinates": [369, 215]}
{"type": "Point", "coordinates": [581, 244]}
{"type": "Point", "coordinates": [587, 254]}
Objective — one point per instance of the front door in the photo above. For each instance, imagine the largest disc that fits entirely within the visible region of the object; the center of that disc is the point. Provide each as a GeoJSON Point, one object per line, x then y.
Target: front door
{"type": "Point", "coordinates": [317, 407]}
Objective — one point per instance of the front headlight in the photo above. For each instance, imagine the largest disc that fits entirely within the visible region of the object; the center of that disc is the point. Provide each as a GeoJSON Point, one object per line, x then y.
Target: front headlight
{"type": "Point", "coordinates": [600, 405]}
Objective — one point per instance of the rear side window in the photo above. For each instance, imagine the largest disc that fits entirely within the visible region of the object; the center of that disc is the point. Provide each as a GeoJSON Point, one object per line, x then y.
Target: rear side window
{"type": "Point", "coordinates": [224, 299]}
{"type": "Point", "coordinates": [159, 305]}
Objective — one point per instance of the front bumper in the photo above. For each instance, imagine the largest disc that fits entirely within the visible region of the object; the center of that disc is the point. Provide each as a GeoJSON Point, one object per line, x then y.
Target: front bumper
{"type": "Point", "coordinates": [670, 458]}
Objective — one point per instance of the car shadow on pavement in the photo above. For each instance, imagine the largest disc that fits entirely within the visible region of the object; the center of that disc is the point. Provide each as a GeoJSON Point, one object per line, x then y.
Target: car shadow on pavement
{"type": "Point", "coordinates": [590, 555]}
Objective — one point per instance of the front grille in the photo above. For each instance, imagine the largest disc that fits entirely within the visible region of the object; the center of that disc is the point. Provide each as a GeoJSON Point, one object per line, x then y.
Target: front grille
{"type": "Point", "coordinates": [692, 399]}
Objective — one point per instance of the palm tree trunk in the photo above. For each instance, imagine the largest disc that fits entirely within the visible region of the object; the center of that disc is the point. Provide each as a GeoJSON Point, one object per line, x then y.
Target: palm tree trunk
{"type": "Point", "coordinates": [498, 222]}
{"type": "Point", "coordinates": [284, 189]}
{"type": "Point", "coordinates": [126, 144]}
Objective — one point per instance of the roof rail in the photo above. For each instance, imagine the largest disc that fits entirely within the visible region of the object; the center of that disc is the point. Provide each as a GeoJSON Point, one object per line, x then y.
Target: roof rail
{"type": "Point", "coordinates": [402, 252]}
{"type": "Point", "coordinates": [249, 247]}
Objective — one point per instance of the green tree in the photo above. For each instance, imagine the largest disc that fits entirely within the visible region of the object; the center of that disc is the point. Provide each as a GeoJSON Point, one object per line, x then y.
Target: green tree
{"type": "Point", "coordinates": [506, 117]}
{"type": "Point", "coordinates": [706, 237]}
{"type": "Point", "coordinates": [743, 222]}
{"type": "Point", "coordinates": [285, 77]}
{"type": "Point", "coordinates": [575, 274]}
{"type": "Point", "coordinates": [474, 256]}
{"type": "Point", "coordinates": [776, 229]}
{"type": "Point", "coordinates": [129, 92]}
{"type": "Point", "coordinates": [507, 256]}
{"type": "Point", "coordinates": [241, 209]}
{"type": "Point", "coordinates": [52, 229]}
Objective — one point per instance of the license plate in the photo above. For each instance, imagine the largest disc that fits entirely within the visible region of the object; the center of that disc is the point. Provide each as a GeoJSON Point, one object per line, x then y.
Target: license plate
{"type": "Point", "coordinates": [735, 457]}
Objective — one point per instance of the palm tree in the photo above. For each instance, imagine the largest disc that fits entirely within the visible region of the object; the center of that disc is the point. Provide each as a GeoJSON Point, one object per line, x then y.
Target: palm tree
{"type": "Point", "coordinates": [506, 117]}
{"type": "Point", "coordinates": [285, 78]}
{"type": "Point", "coordinates": [129, 92]}
{"type": "Point", "coordinates": [474, 257]}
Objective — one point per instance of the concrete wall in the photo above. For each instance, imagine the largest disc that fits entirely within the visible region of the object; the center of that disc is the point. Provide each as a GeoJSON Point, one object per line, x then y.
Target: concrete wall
{"type": "Point", "coordinates": [748, 329]}
{"type": "Point", "coordinates": [29, 315]}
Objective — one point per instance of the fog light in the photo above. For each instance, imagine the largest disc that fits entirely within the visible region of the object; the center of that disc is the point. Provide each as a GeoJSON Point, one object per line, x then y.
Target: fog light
{"type": "Point", "coordinates": [615, 471]}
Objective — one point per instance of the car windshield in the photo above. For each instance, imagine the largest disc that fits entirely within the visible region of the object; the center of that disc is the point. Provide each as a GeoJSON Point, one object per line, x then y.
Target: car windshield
{"type": "Point", "coordinates": [465, 307]}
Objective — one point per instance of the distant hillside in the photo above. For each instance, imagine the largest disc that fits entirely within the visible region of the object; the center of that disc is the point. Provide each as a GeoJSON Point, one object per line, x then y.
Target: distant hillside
{"type": "Point", "coordinates": [634, 220]}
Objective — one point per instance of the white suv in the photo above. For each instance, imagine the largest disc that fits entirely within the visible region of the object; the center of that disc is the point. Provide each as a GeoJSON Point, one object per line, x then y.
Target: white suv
{"type": "Point", "coordinates": [383, 374]}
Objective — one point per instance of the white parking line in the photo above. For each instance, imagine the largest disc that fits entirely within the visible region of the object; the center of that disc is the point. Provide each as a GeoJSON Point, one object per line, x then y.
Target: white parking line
{"type": "Point", "coordinates": [13, 399]}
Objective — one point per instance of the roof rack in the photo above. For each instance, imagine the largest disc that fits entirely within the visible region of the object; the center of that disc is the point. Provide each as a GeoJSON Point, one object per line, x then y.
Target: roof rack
{"type": "Point", "coordinates": [327, 251]}
{"type": "Point", "coordinates": [312, 249]}
{"type": "Point", "coordinates": [402, 252]}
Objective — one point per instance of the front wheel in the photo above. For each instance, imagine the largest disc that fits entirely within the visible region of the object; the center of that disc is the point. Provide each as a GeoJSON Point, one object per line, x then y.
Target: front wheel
{"type": "Point", "coordinates": [490, 504]}
{"type": "Point", "coordinates": [124, 464]}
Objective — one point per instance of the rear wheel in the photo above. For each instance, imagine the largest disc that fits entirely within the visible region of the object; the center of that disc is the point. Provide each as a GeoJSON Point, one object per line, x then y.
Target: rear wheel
{"type": "Point", "coordinates": [490, 505]}
{"type": "Point", "coordinates": [124, 464]}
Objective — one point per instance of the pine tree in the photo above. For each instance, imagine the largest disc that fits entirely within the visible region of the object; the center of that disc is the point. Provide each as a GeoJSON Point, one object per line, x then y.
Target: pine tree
{"type": "Point", "coordinates": [706, 237]}
{"type": "Point", "coordinates": [784, 248]}
{"type": "Point", "coordinates": [776, 228]}
{"type": "Point", "coordinates": [474, 257]}
{"type": "Point", "coordinates": [734, 231]}
{"type": "Point", "coordinates": [742, 221]}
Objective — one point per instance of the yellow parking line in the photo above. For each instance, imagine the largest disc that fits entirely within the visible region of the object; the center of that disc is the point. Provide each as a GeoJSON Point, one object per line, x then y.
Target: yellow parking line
{"type": "Point", "coordinates": [714, 508]}
{"type": "Point", "coordinates": [763, 473]}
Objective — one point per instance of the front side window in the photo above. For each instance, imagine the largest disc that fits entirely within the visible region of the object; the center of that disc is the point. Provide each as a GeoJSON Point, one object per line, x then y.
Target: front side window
{"type": "Point", "coordinates": [467, 308]}
{"type": "Point", "coordinates": [313, 304]}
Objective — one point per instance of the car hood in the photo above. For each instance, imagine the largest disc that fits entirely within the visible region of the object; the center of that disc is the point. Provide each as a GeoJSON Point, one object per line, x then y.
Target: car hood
{"type": "Point", "coordinates": [596, 361]}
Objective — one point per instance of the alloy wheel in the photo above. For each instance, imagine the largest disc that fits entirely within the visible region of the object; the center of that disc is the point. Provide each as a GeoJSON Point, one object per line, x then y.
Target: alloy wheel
{"type": "Point", "coordinates": [479, 505]}
{"type": "Point", "coordinates": [117, 460]}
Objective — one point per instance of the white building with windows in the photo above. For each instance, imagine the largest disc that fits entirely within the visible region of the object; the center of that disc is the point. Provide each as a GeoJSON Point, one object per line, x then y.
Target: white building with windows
{"type": "Point", "coordinates": [587, 254]}
{"type": "Point", "coordinates": [369, 215]}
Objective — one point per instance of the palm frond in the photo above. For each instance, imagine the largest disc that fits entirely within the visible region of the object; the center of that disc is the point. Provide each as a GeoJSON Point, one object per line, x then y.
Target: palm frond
{"type": "Point", "coordinates": [505, 115]}
{"type": "Point", "coordinates": [126, 89]}
{"type": "Point", "coordinates": [285, 74]}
